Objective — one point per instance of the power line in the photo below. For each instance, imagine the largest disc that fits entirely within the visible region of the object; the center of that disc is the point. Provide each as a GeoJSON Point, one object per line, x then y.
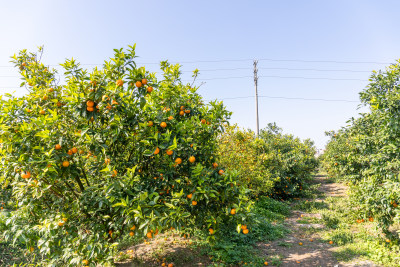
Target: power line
{"type": "Point", "coordinates": [312, 78]}
{"type": "Point", "coordinates": [292, 98]}
{"type": "Point", "coordinates": [324, 61]}
{"type": "Point", "coordinates": [241, 60]}
{"type": "Point", "coordinates": [330, 70]}
{"type": "Point", "coordinates": [283, 77]}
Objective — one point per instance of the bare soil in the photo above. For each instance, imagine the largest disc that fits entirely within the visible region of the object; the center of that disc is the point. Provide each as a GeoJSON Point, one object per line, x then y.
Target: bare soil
{"type": "Point", "coordinates": [304, 246]}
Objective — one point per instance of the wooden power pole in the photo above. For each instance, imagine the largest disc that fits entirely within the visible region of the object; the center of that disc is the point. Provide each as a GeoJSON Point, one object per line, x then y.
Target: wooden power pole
{"type": "Point", "coordinates": [255, 84]}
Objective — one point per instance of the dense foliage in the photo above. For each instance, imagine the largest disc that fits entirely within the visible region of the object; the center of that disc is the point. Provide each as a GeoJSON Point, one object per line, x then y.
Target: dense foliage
{"type": "Point", "coordinates": [111, 153]}
{"type": "Point", "coordinates": [366, 152]}
{"type": "Point", "coordinates": [274, 164]}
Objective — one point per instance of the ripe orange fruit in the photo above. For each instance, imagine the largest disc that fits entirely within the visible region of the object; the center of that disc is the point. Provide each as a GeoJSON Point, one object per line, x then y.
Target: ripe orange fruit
{"type": "Point", "coordinates": [170, 265]}
{"type": "Point", "coordinates": [170, 118]}
{"type": "Point", "coordinates": [194, 202]}
{"type": "Point", "coordinates": [74, 150]}
{"type": "Point", "coordinates": [371, 219]}
{"type": "Point", "coordinates": [60, 223]}
{"type": "Point", "coordinates": [187, 111]}
{"type": "Point", "coordinates": [243, 227]}
{"type": "Point", "coordinates": [149, 89]}
{"type": "Point", "coordinates": [131, 233]}
{"type": "Point", "coordinates": [265, 263]}
{"type": "Point", "coordinates": [144, 81]}
{"type": "Point", "coordinates": [149, 235]}
{"type": "Point", "coordinates": [178, 161]}
{"type": "Point", "coordinates": [163, 124]}
{"type": "Point", "coordinates": [28, 110]}
{"type": "Point", "coordinates": [331, 242]}
{"type": "Point", "coordinates": [90, 103]}
{"type": "Point", "coordinates": [45, 97]}
{"type": "Point", "coordinates": [50, 90]}
{"type": "Point", "coordinates": [181, 113]}
{"type": "Point", "coordinates": [114, 173]}
{"type": "Point", "coordinates": [233, 211]}
{"type": "Point", "coordinates": [190, 196]}
{"type": "Point", "coordinates": [192, 159]}
{"type": "Point", "coordinates": [300, 243]}
{"type": "Point", "coordinates": [215, 165]}
{"type": "Point", "coordinates": [138, 84]}
{"type": "Point", "coordinates": [42, 112]}
{"type": "Point", "coordinates": [311, 240]}
{"type": "Point", "coordinates": [58, 147]}
{"type": "Point", "coordinates": [169, 152]}
{"type": "Point", "coordinates": [85, 262]}
{"type": "Point", "coordinates": [203, 121]}
{"type": "Point", "coordinates": [182, 107]}
{"type": "Point", "coordinates": [211, 231]}
{"type": "Point", "coordinates": [120, 82]}
{"type": "Point", "coordinates": [90, 109]}
{"type": "Point", "coordinates": [221, 172]}
{"type": "Point", "coordinates": [156, 151]}
{"type": "Point", "coordinates": [246, 231]}
{"type": "Point", "coordinates": [69, 152]}
{"type": "Point", "coordinates": [26, 175]}
{"type": "Point", "coordinates": [163, 264]}
{"type": "Point", "coordinates": [387, 240]}
{"type": "Point", "coordinates": [133, 228]}
{"type": "Point", "coordinates": [150, 123]}
{"type": "Point", "coordinates": [23, 64]}
{"type": "Point", "coordinates": [59, 104]}
{"type": "Point", "coordinates": [65, 163]}
{"type": "Point", "coordinates": [113, 102]}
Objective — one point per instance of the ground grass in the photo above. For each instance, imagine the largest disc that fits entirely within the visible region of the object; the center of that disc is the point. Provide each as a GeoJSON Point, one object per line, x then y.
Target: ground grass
{"type": "Point", "coordinates": [13, 254]}
{"type": "Point", "coordinates": [354, 241]}
{"type": "Point", "coordinates": [231, 249]}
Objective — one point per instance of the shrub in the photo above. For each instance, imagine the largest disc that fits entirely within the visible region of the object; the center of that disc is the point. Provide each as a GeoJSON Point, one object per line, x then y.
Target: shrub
{"type": "Point", "coordinates": [274, 164]}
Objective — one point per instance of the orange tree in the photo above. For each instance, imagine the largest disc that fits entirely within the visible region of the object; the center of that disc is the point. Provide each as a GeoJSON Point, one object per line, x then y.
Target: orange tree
{"type": "Point", "coordinates": [274, 164]}
{"type": "Point", "coordinates": [111, 153]}
{"type": "Point", "coordinates": [365, 153]}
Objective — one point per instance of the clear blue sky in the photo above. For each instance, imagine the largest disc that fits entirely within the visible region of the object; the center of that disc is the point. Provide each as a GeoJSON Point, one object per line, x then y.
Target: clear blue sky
{"type": "Point", "coordinates": [186, 31]}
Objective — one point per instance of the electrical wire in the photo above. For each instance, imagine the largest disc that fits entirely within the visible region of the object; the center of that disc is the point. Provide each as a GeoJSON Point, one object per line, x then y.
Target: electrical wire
{"type": "Point", "coordinates": [290, 98]}
{"type": "Point", "coordinates": [242, 60]}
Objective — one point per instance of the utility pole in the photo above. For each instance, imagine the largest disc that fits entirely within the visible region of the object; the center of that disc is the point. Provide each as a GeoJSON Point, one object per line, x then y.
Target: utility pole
{"type": "Point", "coordinates": [255, 84]}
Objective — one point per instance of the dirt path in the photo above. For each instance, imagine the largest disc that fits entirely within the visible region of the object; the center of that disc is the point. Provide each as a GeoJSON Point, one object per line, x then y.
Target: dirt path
{"type": "Point", "coordinates": [304, 246]}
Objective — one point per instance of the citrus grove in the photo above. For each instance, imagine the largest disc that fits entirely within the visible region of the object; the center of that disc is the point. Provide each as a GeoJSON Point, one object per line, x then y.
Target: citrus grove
{"type": "Point", "coordinates": [365, 153]}
{"type": "Point", "coordinates": [111, 153]}
{"type": "Point", "coordinates": [114, 155]}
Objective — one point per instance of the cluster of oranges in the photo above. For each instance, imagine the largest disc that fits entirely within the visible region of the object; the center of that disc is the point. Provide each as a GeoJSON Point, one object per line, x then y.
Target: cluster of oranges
{"type": "Point", "coordinates": [2, 205]}
{"type": "Point", "coordinates": [244, 229]}
{"type": "Point", "coordinates": [164, 264]}
{"type": "Point", "coordinates": [70, 152]}
{"type": "Point", "coordinates": [184, 111]}
{"type": "Point", "coordinates": [371, 219]}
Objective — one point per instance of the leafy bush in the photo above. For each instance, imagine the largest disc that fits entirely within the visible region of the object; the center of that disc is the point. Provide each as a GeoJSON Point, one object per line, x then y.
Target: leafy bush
{"type": "Point", "coordinates": [273, 164]}
{"type": "Point", "coordinates": [111, 153]}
